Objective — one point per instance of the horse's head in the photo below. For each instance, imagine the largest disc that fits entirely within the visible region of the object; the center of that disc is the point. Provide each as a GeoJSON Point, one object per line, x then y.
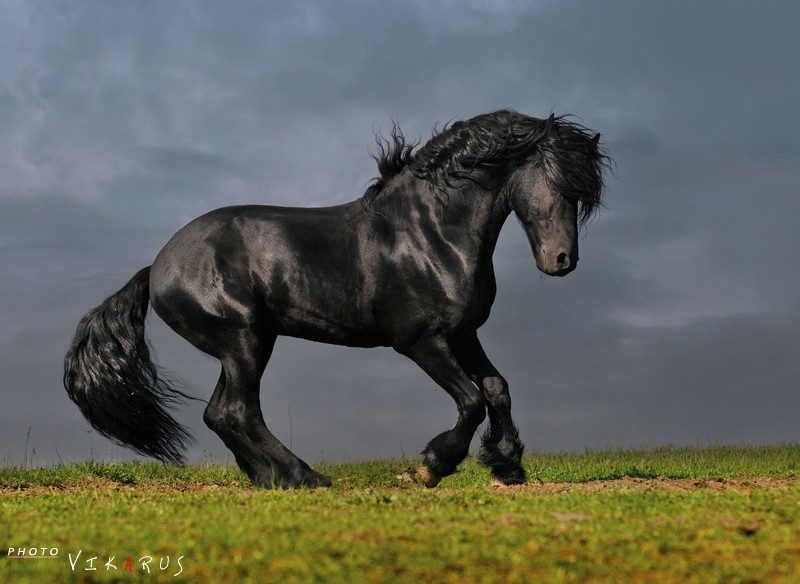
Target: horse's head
{"type": "Point", "coordinates": [555, 191]}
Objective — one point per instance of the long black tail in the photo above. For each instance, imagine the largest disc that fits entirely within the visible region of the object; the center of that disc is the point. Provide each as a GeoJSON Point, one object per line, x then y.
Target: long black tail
{"type": "Point", "coordinates": [108, 372]}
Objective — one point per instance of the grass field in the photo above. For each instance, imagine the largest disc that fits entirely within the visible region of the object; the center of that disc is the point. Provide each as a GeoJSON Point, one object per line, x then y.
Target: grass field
{"type": "Point", "coordinates": [720, 514]}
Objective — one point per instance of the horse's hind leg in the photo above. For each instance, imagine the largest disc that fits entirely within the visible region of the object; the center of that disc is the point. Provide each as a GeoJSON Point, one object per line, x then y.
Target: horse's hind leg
{"type": "Point", "coordinates": [234, 413]}
{"type": "Point", "coordinates": [442, 454]}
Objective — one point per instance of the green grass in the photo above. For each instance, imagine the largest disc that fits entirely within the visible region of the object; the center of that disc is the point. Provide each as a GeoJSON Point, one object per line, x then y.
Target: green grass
{"type": "Point", "coordinates": [720, 514]}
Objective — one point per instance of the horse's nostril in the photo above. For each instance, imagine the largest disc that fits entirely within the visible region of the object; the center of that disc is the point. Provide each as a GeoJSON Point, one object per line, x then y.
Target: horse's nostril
{"type": "Point", "coordinates": [562, 260]}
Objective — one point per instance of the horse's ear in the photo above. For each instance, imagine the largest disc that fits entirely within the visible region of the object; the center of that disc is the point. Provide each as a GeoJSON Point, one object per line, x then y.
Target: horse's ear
{"type": "Point", "coordinates": [595, 140]}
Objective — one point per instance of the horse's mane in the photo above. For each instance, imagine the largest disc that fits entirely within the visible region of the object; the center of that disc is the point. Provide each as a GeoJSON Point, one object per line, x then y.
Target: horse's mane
{"type": "Point", "coordinates": [490, 145]}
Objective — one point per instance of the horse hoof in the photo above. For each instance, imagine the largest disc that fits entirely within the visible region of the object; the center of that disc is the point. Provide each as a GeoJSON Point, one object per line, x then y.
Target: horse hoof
{"type": "Point", "coordinates": [427, 478]}
{"type": "Point", "coordinates": [316, 481]}
{"type": "Point", "coordinates": [308, 479]}
{"type": "Point", "coordinates": [498, 483]}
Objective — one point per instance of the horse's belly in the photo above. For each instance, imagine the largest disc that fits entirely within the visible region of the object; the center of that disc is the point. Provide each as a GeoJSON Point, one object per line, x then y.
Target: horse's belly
{"type": "Point", "coordinates": [314, 326]}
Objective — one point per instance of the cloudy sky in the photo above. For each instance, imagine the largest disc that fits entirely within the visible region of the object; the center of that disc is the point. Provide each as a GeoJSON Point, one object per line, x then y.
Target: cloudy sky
{"type": "Point", "coordinates": [121, 121]}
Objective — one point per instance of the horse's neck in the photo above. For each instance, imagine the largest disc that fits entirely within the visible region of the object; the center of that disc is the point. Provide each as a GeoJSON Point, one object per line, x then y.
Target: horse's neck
{"type": "Point", "coordinates": [481, 214]}
{"type": "Point", "coordinates": [466, 215]}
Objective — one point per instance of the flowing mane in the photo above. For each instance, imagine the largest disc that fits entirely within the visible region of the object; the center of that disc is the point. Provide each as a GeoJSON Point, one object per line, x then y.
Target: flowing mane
{"type": "Point", "coordinates": [490, 146]}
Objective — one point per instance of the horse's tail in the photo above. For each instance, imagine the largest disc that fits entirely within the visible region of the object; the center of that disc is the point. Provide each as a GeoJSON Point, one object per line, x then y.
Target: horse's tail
{"type": "Point", "coordinates": [108, 372]}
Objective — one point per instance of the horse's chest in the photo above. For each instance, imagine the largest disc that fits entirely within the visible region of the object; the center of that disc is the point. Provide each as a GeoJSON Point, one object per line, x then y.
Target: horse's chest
{"type": "Point", "coordinates": [477, 295]}
{"type": "Point", "coordinates": [464, 298]}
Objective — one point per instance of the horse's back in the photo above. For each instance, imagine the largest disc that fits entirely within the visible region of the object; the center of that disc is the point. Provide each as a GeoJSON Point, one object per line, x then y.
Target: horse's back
{"type": "Point", "coordinates": [299, 271]}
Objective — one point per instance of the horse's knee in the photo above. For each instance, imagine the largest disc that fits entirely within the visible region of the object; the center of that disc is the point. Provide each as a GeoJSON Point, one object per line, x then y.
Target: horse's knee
{"type": "Point", "coordinates": [496, 391]}
{"type": "Point", "coordinates": [474, 410]}
{"type": "Point", "coordinates": [495, 385]}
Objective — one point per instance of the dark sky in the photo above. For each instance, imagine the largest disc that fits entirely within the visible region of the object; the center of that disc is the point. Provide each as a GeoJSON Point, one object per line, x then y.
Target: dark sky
{"type": "Point", "coordinates": [120, 122]}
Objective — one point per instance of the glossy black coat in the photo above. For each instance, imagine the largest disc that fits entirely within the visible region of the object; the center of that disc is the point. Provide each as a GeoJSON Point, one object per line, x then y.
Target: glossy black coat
{"type": "Point", "coordinates": [407, 266]}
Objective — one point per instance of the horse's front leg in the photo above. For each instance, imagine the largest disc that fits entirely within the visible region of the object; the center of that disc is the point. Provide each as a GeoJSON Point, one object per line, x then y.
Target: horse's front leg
{"type": "Point", "coordinates": [442, 454]}
{"type": "Point", "coordinates": [501, 448]}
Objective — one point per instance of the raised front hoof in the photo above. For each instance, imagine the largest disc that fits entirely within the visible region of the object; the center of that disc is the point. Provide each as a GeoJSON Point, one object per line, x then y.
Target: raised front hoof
{"type": "Point", "coordinates": [426, 476]}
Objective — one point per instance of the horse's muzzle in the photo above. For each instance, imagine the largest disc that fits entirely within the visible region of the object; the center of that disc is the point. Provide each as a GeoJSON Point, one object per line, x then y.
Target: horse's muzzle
{"type": "Point", "coordinates": [560, 264]}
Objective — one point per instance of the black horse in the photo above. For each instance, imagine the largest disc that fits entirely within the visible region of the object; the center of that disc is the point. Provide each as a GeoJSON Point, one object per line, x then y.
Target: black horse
{"type": "Point", "coordinates": [409, 265]}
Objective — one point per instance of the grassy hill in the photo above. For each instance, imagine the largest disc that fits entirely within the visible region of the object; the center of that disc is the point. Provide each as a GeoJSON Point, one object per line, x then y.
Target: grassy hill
{"type": "Point", "coordinates": [720, 514]}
